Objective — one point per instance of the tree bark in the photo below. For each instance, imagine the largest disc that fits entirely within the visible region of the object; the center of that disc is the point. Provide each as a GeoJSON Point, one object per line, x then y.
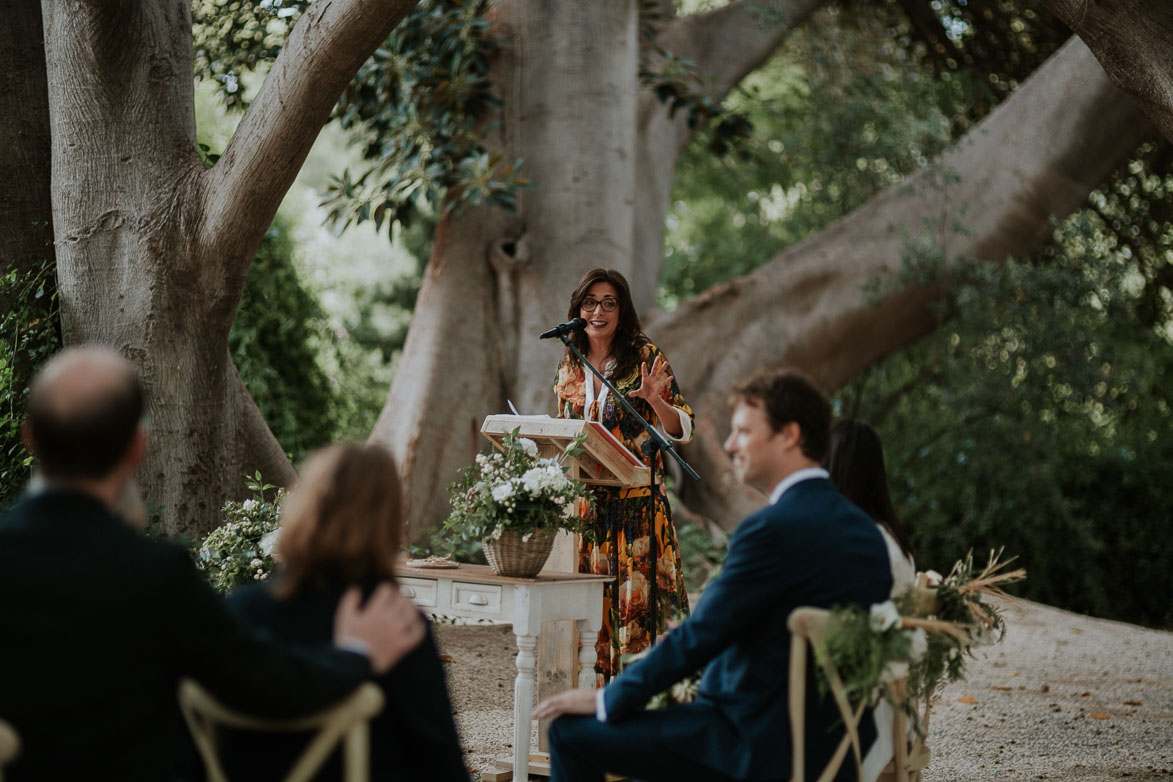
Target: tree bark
{"type": "Point", "coordinates": [324, 51]}
{"type": "Point", "coordinates": [26, 230]}
{"type": "Point", "coordinates": [567, 75]}
{"type": "Point", "coordinates": [153, 248]}
{"type": "Point", "coordinates": [1133, 40]}
{"type": "Point", "coordinates": [1038, 155]}
{"type": "Point", "coordinates": [727, 44]}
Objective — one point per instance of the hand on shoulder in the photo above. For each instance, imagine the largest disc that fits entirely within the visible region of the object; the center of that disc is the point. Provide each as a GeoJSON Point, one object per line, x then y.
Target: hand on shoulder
{"type": "Point", "coordinates": [388, 626]}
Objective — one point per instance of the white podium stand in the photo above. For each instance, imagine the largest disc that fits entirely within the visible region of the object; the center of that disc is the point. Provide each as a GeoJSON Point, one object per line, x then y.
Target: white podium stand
{"type": "Point", "coordinates": [604, 461]}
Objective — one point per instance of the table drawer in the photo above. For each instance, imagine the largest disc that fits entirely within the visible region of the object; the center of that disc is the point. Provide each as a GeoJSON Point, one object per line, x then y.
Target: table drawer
{"type": "Point", "coordinates": [480, 598]}
{"type": "Point", "coordinates": [422, 591]}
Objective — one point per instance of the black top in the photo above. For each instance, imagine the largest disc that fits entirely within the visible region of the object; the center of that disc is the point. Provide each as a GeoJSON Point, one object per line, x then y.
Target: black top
{"type": "Point", "coordinates": [97, 625]}
{"type": "Point", "coordinates": [414, 737]}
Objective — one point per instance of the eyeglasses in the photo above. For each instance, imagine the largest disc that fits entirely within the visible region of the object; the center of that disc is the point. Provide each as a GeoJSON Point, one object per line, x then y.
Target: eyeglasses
{"type": "Point", "coordinates": [608, 305]}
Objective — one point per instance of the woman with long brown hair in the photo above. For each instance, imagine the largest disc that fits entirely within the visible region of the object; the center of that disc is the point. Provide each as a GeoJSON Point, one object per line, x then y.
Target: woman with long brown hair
{"type": "Point", "coordinates": [341, 527]}
{"type": "Point", "coordinates": [857, 469]}
{"type": "Point", "coordinates": [614, 341]}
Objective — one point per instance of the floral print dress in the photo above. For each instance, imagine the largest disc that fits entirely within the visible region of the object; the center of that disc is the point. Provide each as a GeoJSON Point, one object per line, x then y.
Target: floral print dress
{"type": "Point", "coordinates": [623, 515]}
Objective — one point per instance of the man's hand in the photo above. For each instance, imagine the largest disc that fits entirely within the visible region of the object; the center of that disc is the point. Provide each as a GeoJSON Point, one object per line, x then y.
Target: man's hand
{"type": "Point", "coordinates": [569, 702]}
{"type": "Point", "coordinates": [388, 626]}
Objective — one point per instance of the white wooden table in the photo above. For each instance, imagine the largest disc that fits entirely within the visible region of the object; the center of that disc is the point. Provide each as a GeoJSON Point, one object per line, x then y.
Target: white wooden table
{"type": "Point", "coordinates": [473, 592]}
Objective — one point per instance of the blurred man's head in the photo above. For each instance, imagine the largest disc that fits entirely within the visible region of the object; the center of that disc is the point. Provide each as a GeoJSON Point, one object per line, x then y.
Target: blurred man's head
{"type": "Point", "coordinates": [781, 423]}
{"type": "Point", "coordinates": [84, 410]}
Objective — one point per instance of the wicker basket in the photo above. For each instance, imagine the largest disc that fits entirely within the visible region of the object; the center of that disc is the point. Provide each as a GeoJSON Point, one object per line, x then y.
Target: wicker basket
{"type": "Point", "coordinates": [509, 556]}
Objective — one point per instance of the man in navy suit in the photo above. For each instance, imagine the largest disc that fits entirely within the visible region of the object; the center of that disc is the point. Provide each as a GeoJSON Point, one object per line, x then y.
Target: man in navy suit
{"type": "Point", "coordinates": [808, 547]}
{"type": "Point", "coordinates": [98, 622]}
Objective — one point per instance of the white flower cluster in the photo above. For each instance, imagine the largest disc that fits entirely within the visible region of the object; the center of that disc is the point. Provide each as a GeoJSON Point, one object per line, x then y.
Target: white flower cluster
{"type": "Point", "coordinates": [885, 616]}
{"type": "Point", "coordinates": [240, 550]}
{"type": "Point", "coordinates": [546, 480]}
{"type": "Point", "coordinates": [514, 488]}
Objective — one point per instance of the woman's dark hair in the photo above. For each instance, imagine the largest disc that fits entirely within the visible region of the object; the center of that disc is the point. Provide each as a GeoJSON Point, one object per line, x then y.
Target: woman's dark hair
{"type": "Point", "coordinates": [629, 336]}
{"type": "Point", "coordinates": [342, 524]}
{"type": "Point", "coordinates": [857, 470]}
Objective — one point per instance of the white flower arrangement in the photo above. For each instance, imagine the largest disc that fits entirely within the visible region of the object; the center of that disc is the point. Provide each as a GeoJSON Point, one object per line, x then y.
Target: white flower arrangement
{"type": "Point", "coordinates": [240, 550]}
{"type": "Point", "coordinates": [884, 616]}
{"type": "Point", "coordinates": [514, 488]}
{"type": "Point", "coordinates": [925, 641]}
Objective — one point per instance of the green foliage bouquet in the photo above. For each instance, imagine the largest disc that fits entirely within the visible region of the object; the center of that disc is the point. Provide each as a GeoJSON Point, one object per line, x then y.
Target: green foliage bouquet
{"type": "Point", "coordinates": [922, 638]}
{"type": "Point", "coordinates": [513, 489]}
{"type": "Point", "coordinates": [241, 549]}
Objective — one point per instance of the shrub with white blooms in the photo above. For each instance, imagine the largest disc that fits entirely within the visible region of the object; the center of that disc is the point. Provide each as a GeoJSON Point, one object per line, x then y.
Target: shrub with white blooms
{"type": "Point", "coordinates": [515, 489]}
{"type": "Point", "coordinates": [240, 551]}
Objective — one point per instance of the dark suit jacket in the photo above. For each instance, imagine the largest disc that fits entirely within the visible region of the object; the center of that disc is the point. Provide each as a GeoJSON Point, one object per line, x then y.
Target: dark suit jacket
{"type": "Point", "coordinates": [97, 625]}
{"type": "Point", "coordinates": [414, 737]}
{"type": "Point", "coordinates": [813, 548]}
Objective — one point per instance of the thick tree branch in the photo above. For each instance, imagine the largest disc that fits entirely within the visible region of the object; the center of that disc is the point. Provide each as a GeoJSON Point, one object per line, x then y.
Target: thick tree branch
{"type": "Point", "coordinates": [730, 42]}
{"type": "Point", "coordinates": [727, 43]}
{"type": "Point", "coordinates": [257, 447]}
{"type": "Point", "coordinates": [324, 51]}
{"type": "Point", "coordinates": [1133, 40]}
{"type": "Point", "coordinates": [1036, 156]}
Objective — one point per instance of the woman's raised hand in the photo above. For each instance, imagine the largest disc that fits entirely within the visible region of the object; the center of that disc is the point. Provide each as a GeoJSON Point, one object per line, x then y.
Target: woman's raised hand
{"type": "Point", "coordinates": [656, 383]}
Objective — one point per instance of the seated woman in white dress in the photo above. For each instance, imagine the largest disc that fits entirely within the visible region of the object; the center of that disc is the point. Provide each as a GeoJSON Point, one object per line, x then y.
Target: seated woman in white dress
{"type": "Point", "coordinates": [857, 470]}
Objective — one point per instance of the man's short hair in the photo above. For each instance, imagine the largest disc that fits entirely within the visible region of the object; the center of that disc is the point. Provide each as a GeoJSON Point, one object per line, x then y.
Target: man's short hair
{"type": "Point", "coordinates": [84, 435]}
{"type": "Point", "coordinates": [788, 395]}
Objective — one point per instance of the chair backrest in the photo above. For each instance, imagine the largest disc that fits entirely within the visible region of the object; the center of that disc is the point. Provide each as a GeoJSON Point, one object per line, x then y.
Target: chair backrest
{"type": "Point", "coordinates": [809, 626]}
{"type": "Point", "coordinates": [345, 722]}
{"type": "Point", "coordinates": [9, 746]}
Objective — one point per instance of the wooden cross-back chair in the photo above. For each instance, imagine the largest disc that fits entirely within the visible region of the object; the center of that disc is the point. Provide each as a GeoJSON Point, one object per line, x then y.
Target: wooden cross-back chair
{"type": "Point", "coordinates": [346, 723]}
{"type": "Point", "coordinates": [9, 746]}
{"type": "Point", "coordinates": [809, 627]}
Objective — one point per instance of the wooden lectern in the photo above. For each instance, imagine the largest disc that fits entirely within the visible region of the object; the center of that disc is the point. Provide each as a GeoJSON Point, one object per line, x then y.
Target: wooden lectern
{"type": "Point", "coordinates": [604, 461]}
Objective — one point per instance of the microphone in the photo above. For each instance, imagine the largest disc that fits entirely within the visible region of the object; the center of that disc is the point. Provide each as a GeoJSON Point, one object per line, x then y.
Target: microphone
{"type": "Point", "coordinates": [563, 328]}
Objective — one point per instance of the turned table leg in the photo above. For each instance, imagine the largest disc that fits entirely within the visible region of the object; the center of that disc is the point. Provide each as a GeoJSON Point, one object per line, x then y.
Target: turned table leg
{"type": "Point", "coordinates": [523, 700]}
{"type": "Point", "coordinates": [586, 655]}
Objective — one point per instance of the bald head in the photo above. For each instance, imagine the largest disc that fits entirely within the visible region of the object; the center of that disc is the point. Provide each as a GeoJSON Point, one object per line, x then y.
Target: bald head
{"type": "Point", "coordinates": [83, 410]}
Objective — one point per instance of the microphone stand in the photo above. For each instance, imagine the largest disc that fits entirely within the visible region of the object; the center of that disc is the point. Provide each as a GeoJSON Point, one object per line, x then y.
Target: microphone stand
{"type": "Point", "coordinates": [655, 443]}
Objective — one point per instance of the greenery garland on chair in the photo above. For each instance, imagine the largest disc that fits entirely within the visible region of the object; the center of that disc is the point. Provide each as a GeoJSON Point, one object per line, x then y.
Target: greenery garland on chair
{"type": "Point", "coordinates": [923, 636]}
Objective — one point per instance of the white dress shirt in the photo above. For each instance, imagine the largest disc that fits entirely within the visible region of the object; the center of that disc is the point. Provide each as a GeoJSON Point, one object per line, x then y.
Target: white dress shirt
{"type": "Point", "coordinates": [805, 474]}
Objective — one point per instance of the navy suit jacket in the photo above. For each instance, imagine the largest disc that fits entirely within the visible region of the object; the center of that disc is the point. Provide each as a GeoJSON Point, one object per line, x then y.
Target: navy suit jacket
{"type": "Point", "coordinates": [811, 548]}
{"type": "Point", "coordinates": [97, 625]}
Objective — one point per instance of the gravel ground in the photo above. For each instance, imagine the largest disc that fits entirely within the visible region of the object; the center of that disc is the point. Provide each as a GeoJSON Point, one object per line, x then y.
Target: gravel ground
{"type": "Point", "coordinates": [1064, 696]}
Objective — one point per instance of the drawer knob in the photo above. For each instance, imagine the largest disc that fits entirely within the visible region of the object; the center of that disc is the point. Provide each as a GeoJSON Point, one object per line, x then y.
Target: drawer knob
{"type": "Point", "coordinates": [478, 600]}
{"type": "Point", "coordinates": [408, 592]}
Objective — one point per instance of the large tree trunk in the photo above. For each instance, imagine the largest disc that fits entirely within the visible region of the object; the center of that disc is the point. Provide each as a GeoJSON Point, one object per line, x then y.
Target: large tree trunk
{"type": "Point", "coordinates": [567, 76]}
{"type": "Point", "coordinates": [124, 169]}
{"type": "Point", "coordinates": [1038, 155]}
{"type": "Point", "coordinates": [153, 248]}
{"type": "Point", "coordinates": [26, 231]}
{"type": "Point", "coordinates": [1133, 40]}
{"type": "Point", "coordinates": [575, 113]}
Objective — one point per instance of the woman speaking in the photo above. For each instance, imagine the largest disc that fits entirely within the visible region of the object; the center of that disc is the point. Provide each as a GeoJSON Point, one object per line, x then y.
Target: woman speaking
{"type": "Point", "coordinates": [614, 342]}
